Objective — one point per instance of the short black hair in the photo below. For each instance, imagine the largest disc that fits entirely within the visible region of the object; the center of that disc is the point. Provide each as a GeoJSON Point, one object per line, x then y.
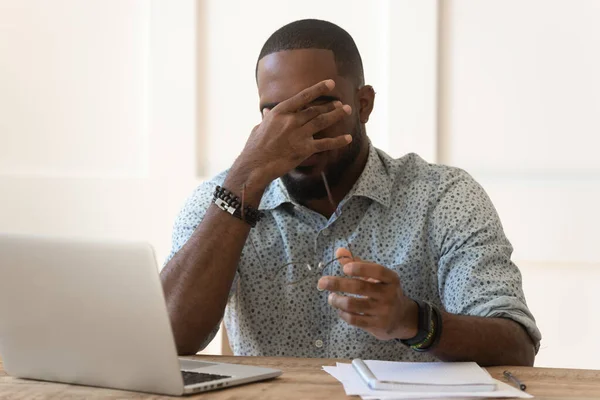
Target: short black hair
{"type": "Point", "coordinates": [318, 34]}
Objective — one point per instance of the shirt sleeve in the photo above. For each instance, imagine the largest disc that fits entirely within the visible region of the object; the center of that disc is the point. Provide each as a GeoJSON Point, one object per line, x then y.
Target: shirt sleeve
{"type": "Point", "coordinates": [475, 273]}
{"type": "Point", "coordinates": [189, 217]}
{"type": "Point", "coordinates": [186, 223]}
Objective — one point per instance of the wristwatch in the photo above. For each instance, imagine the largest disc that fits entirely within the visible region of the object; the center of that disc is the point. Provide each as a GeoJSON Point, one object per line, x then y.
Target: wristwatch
{"type": "Point", "coordinates": [429, 327]}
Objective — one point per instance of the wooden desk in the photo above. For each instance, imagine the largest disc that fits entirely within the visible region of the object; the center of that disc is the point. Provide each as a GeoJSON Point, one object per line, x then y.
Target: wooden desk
{"type": "Point", "coordinates": [303, 379]}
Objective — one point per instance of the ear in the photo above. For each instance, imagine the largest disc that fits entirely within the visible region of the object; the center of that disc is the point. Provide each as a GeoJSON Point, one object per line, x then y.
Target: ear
{"type": "Point", "coordinates": [366, 101]}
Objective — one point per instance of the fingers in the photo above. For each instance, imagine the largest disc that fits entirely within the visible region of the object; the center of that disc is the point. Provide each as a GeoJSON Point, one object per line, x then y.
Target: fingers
{"type": "Point", "coordinates": [326, 144]}
{"type": "Point", "coordinates": [361, 321]}
{"type": "Point", "coordinates": [306, 96]}
{"type": "Point", "coordinates": [354, 286]}
{"type": "Point", "coordinates": [344, 256]}
{"type": "Point", "coordinates": [354, 305]}
{"type": "Point", "coordinates": [324, 120]}
{"type": "Point", "coordinates": [309, 113]}
{"type": "Point", "coordinates": [370, 270]}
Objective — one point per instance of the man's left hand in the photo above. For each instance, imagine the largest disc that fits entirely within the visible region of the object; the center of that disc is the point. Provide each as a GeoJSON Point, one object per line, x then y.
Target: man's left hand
{"type": "Point", "coordinates": [382, 310]}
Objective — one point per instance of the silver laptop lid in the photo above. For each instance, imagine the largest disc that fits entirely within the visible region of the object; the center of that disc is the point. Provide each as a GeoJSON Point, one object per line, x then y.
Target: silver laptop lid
{"type": "Point", "coordinates": [85, 312]}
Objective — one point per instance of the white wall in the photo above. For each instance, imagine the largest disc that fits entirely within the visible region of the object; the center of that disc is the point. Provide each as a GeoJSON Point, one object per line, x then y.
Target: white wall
{"type": "Point", "coordinates": [97, 117]}
{"type": "Point", "coordinates": [519, 107]}
{"type": "Point", "coordinates": [62, 74]}
{"type": "Point", "coordinates": [397, 41]}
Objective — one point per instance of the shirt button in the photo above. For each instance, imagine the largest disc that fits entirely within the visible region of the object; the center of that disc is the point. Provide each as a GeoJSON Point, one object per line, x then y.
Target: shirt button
{"type": "Point", "coordinates": [325, 232]}
{"type": "Point", "coordinates": [319, 343]}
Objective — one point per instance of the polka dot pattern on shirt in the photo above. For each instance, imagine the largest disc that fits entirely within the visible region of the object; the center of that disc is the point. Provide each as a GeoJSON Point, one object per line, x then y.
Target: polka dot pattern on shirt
{"type": "Point", "coordinates": [431, 224]}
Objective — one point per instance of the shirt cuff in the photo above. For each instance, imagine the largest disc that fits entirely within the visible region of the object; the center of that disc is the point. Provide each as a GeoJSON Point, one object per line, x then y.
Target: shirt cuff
{"type": "Point", "coordinates": [514, 309]}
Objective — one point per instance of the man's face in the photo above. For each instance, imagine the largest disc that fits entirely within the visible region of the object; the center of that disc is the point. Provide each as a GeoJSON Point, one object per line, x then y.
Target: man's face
{"type": "Point", "coordinates": [283, 74]}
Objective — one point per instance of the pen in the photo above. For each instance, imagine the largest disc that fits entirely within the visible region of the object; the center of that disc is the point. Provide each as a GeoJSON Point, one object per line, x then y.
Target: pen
{"type": "Point", "coordinates": [364, 371]}
{"type": "Point", "coordinates": [514, 380]}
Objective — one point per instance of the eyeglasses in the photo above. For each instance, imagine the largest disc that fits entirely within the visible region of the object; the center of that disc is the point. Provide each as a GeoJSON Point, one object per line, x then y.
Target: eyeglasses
{"type": "Point", "coordinates": [295, 272]}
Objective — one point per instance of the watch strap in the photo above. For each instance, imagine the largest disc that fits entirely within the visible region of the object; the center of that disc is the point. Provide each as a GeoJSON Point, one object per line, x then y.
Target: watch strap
{"type": "Point", "coordinates": [423, 324]}
{"type": "Point", "coordinates": [429, 328]}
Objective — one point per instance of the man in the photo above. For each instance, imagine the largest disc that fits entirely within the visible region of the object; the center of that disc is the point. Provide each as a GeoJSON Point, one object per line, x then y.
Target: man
{"type": "Point", "coordinates": [423, 270]}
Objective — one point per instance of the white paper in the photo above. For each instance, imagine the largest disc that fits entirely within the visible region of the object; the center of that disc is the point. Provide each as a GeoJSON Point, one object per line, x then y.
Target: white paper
{"type": "Point", "coordinates": [434, 373]}
{"type": "Point", "coordinates": [355, 386]}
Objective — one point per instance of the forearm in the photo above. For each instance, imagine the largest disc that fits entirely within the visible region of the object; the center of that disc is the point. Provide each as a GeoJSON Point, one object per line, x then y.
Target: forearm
{"type": "Point", "coordinates": [197, 280]}
{"type": "Point", "coordinates": [487, 341]}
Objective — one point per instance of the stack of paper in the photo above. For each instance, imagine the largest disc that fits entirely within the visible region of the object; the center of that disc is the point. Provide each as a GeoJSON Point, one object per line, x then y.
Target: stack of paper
{"type": "Point", "coordinates": [423, 381]}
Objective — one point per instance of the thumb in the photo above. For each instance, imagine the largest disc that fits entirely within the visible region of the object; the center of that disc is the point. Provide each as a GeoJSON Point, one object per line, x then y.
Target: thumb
{"type": "Point", "coordinates": [345, 256]}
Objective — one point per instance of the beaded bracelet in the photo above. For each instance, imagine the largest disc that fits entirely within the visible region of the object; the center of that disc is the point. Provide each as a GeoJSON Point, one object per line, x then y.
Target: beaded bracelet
{"type": "Point", "coordinates": [232, 204]}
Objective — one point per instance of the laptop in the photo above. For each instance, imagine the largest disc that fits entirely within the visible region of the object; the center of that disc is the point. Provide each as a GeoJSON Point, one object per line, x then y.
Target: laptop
{"type": "Point", "coordinates": [93, 313]}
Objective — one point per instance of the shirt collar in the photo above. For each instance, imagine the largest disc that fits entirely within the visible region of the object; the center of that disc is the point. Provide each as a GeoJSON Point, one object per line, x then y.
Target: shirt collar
{"type": "Point", "coordinates": [374, 183]}
{"type": "Point", "coordinates": [275, 195]}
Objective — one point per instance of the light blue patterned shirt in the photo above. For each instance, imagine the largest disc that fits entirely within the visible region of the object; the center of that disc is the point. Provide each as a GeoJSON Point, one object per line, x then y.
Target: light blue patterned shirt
{"type": "Point", "coordinates": [431, 224]}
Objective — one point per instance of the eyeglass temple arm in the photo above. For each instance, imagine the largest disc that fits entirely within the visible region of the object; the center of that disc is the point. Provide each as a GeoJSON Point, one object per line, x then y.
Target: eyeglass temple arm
{"type": "Point", "coordinates": [335, 209]}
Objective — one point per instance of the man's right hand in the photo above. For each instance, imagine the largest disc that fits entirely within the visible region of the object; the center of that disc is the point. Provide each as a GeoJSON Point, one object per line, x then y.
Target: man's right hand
{"type": "Point", "coordinates": [284, 138]}
{"type": "Point", "coordinates": [201, 273]}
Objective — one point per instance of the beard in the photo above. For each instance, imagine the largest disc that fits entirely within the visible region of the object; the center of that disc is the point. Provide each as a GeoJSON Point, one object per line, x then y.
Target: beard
{"type": "Point", "coordinates": [311, 188]}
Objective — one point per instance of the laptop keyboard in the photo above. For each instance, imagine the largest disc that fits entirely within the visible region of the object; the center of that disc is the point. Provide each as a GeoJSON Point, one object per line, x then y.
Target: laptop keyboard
{"type": "Point", "coordinates": [192, 378]}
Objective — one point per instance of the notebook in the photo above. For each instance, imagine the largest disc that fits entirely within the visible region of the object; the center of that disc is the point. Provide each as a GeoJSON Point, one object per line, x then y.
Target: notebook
{"type": "Point", "coordinates": [424, 377]}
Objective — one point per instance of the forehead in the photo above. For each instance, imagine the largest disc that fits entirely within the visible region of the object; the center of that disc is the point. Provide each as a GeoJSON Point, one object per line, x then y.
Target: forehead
{"type": "Point", "coordinates": [283, 74]}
